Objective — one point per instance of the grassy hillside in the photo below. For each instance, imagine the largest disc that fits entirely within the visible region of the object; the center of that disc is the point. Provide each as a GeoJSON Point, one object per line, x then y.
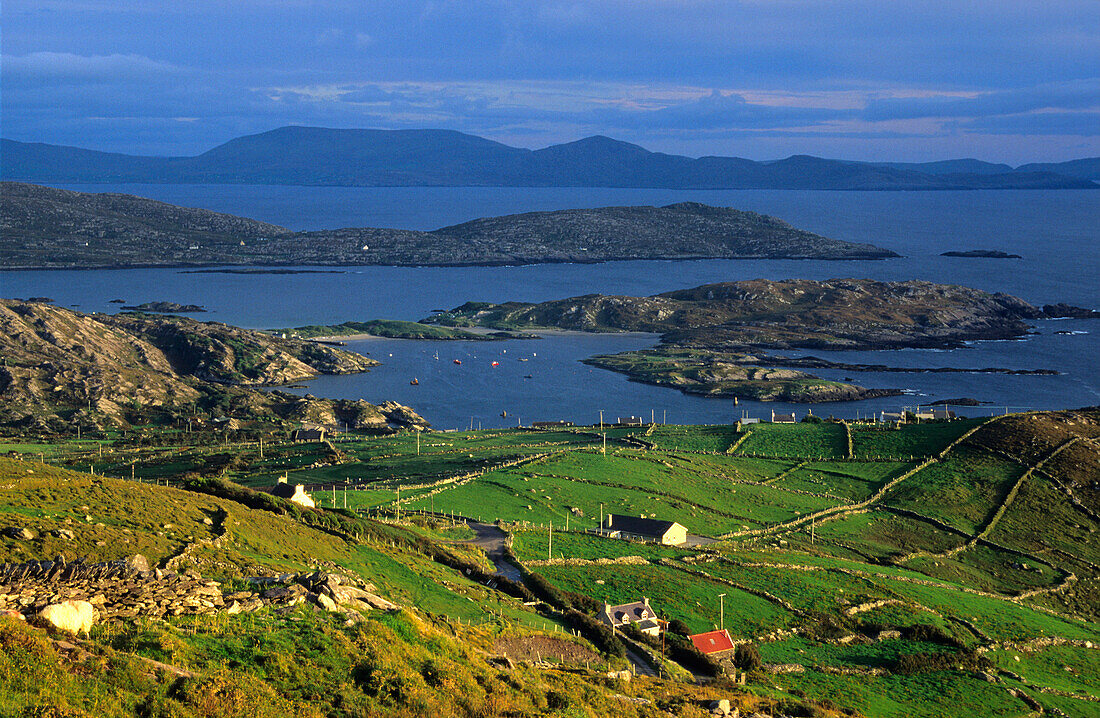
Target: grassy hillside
{"type": "Point", "coordinates": [940, 569]}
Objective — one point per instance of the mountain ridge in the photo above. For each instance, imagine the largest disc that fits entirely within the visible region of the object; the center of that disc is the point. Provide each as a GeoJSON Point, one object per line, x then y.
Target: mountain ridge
{"type": "Point", "coordinates": [315, 156]}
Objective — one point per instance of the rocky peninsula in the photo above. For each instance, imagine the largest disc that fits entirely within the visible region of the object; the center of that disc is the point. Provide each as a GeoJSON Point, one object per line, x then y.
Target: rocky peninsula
{"type": "Point", "coordinates": [709, 333]}
{"type": "Point", "coordinates": [63, 369]}
{"type": "Point", "coordinates": [42, 228]}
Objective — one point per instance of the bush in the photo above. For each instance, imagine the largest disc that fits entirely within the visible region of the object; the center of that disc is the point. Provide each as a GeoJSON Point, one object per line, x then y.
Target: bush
{"type": "Point", "coordinates": [747, 658]}
{"type": "Point", "coordinates": [913, 663]}
{"type": "Point", "coordinates": [597, 633]}
{"type": "Point", "coordinates": [678, 627]}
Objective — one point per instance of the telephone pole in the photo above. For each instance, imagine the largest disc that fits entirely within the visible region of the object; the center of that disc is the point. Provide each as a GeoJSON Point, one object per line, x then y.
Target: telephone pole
{"type": "Point", "coordinates": [722, 611]}
{"type": "Point", "coordinates": [550, 542]}
{"type": "Point", "coordinates": [601, 419]}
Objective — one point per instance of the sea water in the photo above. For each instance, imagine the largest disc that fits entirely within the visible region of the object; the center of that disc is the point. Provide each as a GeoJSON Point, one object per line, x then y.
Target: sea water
{"type": "Point", "coordinates": [1055, 232]}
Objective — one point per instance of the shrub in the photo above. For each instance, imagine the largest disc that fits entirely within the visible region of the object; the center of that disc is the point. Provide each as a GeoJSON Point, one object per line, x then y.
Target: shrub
{"type": "Point", "coordinates": [747, 658]}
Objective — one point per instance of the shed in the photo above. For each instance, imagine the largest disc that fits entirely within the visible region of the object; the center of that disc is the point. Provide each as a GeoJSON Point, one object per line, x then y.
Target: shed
{"type": "Point", "coordinates": [296, 493]}
{"type": "Point", "coordinates": [783, 418]}
{"type": "Point", "coordinates": [309, 434]}
{"type": "Point", "coordinates": [712, 642]}
{"type": "Point", "coordinates": [549, 424]}
{"type": "Point", "coordinates": [665, 532]}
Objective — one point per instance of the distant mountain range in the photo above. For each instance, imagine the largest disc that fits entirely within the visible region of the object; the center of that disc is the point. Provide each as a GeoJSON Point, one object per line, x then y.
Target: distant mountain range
{"type": "Point", "coordinates": [318, 156]}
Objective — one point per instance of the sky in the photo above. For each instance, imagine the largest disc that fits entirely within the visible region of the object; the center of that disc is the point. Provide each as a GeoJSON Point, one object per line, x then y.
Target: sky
{"type": "Point", "coordinates": [916, 80]}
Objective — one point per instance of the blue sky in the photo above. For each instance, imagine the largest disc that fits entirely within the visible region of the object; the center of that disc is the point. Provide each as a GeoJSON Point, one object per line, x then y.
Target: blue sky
{"type": "Point", "coordinates": [918, 80]}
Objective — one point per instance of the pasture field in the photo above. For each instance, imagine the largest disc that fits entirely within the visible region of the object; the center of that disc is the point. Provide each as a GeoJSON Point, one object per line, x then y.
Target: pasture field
{"type": "Point", "coordinates": [970, 559]}
{"type": "Point", "coordinates": [911, 440]}
{"type": "Point", "coordinates": [806, 441]}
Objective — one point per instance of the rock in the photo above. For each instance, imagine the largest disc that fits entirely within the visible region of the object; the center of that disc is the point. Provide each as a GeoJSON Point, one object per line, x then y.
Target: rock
{"type": "Point", "coordinates": [379, 602]}
{"type": "Point", "coordinates": [18, 533]}
{"type": "Point", "coordinates": [8, 613]}
{"type": "Point", "coordinates": [65, 534]}
{"type": "Point", "coordinates": [720, 707]}
{"type": "Point", "coordinates": [285, 594]}
{"type": "Point", "coordinates": [325, 602]}
{"type": "Point", "coordinates": [70, 616]}
{"type": "Point", "coordinates": [137, 562]}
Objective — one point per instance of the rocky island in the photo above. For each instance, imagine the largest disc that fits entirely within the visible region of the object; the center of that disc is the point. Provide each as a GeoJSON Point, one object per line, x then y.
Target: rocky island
{"type": "Point", "coordinates": [397, 329]}
{"type": "Point", "coordinates": [981, 254]}
{"type": "Point", "coordinates": [42, 227]}
{"type": "Point", "coordinates": [63, 369]}
{"type": "Point", "coordinates": [707, 333]}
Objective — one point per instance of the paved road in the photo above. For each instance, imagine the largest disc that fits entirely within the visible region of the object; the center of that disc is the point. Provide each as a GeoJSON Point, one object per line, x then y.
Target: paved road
{"type": "Point", "coordinates": [491, 540]}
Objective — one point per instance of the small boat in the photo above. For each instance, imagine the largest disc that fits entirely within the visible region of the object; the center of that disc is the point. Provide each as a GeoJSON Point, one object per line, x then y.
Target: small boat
{"type": "Point", "coordinates": [523, 359]}
{"type": "Point", "coordinates": [458, 361]}
{"type": "Point", "coordinates": [437, 356]}
{"type": "Point", "coordinates": [503, 415]}
{"type": "Point", "coordinates": [528, 376]}
{"type": "Point", "coordinates": [496, 363]}
{"type": "Point", "coordinates": [415, 381]}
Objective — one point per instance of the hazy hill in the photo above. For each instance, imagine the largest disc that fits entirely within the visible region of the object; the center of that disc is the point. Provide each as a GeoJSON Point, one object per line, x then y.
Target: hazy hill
{"type": "Point", "coordinates": [321, 156]}
{"type": "Point", "coordinates": [46, 227]}
{"type": "Point", "coordinates": [1088, 168]}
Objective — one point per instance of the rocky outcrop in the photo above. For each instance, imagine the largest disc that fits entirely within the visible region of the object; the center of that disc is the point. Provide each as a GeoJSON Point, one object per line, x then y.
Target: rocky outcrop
{"type": "Point", "coordinates": [122, 590]}
{"type": "Point", "coordinates": [99, 370]}
{"type": "Point", "coordinates": [833, 314]}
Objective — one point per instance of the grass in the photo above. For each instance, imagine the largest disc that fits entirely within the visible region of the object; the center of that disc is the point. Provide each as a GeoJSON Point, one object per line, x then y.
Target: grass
{"type": "Point", "coordinates": [673, 595]}
{"type": "Point", "coordinates": [816, 441]}
{"type": "Point", "coordinates": [687, 477]}
{"type": "Point", "coordinates": [911, 440]}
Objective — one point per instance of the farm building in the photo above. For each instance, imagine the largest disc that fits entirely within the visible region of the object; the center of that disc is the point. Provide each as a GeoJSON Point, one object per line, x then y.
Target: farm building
{"type": "Point", "coordinates": [639, 613]}
{"type": "Point", "coordinates": [309, 434]}
{"type": "Point", "coordinates": [898, 416]}
{"type": "Point", "coordinates": [783, 418]}
{"type": "Point", "coordinates": [296, 493]}
{"type": "Point", "coordinates": [550, 424]}
{"type": "Point", "coordinates": [666, 532]}
{"type": "Point", "coordinates": [629, 421]}
{"type": "Point", "coordinates": [712, 642]}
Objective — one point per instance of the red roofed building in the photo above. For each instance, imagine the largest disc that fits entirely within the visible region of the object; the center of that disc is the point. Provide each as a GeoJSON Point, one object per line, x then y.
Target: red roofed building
{"type": "Point", "coordinates": [712, 642]}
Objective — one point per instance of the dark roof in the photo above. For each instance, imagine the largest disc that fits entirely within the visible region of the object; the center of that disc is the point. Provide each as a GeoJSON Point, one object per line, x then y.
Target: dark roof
{"type": "Point", "coordinates": [283, 489]}
{"type": "Point", "coordinates": [630, 612]}
{"type": "Point", "coordinates": [712, 641]}
{"type": "Point", "coordinates": [637, 525]}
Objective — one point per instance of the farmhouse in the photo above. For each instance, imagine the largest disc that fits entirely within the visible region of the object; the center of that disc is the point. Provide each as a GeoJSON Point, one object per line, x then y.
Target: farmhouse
{"type": "Point", "coordinates": [629, 421]}
{"type": "Point", "coordinates": [783, 418]}
{"type": "Point", "coordinates": [296, 493]}
{"type": "Point", "coordinates": [669, 533]}
{"type": "Point", "coordinates": [550, 424]}
{"type": "Point", "coordinates": [317, 434]}
{"type": "Point", "coordinates": [639, 613]}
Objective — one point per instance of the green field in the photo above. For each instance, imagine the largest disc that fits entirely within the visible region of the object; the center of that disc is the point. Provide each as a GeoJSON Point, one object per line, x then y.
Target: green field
{"type": "Point", "coordinates": [956, 554]}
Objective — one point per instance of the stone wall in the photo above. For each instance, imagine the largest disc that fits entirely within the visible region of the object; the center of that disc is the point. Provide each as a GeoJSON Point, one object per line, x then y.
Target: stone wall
{"type": "Point", "coordinates": [122, 590]}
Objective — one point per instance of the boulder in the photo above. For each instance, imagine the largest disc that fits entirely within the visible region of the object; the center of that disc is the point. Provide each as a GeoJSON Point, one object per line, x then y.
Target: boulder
{"type": "Point", "coordinates": [70, 616]}
{"type": "Point", "coordinates": [19, 533]}
{"type": "Point", "coordinates": [325, 602]}
{"type": "Point", "coordinates": [65, 534]}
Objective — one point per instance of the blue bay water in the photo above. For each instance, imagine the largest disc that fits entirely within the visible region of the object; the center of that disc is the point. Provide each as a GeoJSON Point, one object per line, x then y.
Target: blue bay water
{"type": "Point", "coordinates": [1055, 231]}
